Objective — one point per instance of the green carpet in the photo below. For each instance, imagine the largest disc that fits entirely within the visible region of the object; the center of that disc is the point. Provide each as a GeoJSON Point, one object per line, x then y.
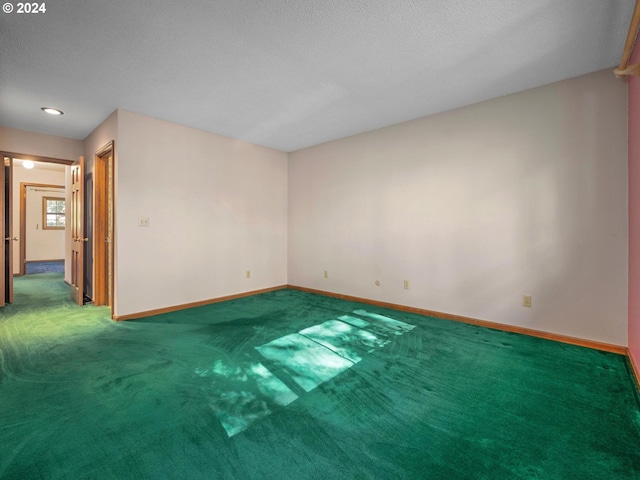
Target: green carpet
{"type": "Point", "coordinates": [290, 385]}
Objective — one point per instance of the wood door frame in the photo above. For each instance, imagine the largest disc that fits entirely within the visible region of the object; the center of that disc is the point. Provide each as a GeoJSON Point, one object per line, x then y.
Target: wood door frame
{"type": "Point", "coordinates": [23, 220]}
{"type": "Point", "coordinates": [110, 203]}
{"type": "Point", "coordinates": [37, 158]}
{"type": "Point", "coordinates": [7, 269]}
{"type": "Point", "coordinates": [103, 226]}
{"type": "Point", "coordinates": [8, 178]}
{"type": "Point", "coordinates": [3, 233]}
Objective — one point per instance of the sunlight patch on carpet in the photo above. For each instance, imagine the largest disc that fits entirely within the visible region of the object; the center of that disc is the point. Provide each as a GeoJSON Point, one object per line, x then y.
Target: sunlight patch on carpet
{"type": "Point", "coordinates": [308, 362]}
{"type": "Point", "coordinates": [244, 393]}
{"type": "Point", "coordinates": [398, 327]}
{"type": "Point", "coordinates": [343, 339]}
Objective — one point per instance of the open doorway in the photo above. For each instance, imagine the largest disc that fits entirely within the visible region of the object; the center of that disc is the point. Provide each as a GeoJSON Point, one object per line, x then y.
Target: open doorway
{"type": "Point", "coordinates": [38, 212]}
{"type": "Point", "coordinates": [39, 216]}
{"type": "Point", "coordinates": [13, 197]}
{"type": "Point", "coordinates": [42, 228]}
{"type": "Point", "coordinates": [57, 212]}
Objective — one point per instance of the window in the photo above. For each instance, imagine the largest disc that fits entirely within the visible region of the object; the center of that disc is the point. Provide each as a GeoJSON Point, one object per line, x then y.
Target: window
{"type": "Point", "coordinates": [53, 213]}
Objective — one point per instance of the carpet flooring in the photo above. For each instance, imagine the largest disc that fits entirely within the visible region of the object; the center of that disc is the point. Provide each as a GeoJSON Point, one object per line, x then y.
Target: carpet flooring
{"type": "Point", "coordinates": [291, 385]}
{"type": "Point", "coordinates": [54, 266]}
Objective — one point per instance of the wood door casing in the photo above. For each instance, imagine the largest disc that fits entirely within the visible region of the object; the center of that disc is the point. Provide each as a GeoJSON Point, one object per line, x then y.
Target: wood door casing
{"type": "Point", "coordinates": [103, 235]}
{"type": "Point", "coordinates": [8, 180]}
{"type": "Point", "coordinates": [3, 234]}
{"type": "Point", "coordinates": [6, 228]}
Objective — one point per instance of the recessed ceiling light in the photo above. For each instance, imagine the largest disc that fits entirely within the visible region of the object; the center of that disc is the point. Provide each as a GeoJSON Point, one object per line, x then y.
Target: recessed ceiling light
{"type": "Point", "coordinates": [52, 111]}
{"type": "Point", "coordinates": [28, 164]}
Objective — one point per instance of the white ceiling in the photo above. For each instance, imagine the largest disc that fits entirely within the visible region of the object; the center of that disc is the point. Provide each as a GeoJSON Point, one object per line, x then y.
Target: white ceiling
{"type": "Point", "coordinates": [291, 73]}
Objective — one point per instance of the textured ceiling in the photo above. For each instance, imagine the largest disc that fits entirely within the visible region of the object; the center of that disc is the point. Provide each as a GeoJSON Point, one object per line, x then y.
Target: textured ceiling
{"type": "Point", "coordinates": [291, 73]}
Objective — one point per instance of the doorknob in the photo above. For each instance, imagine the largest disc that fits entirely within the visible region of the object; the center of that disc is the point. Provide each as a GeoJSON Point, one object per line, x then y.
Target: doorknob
{"type": "Point", "coordinates": [15, 239]}
{"type": "Point", "coordinates": [83, 239]}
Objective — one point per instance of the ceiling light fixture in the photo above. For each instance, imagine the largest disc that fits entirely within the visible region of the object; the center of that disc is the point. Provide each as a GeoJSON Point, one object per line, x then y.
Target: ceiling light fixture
{"type": "Point", "coordinates": [52, 111]}
{"type": "Point", "coordinates": [28, 164]}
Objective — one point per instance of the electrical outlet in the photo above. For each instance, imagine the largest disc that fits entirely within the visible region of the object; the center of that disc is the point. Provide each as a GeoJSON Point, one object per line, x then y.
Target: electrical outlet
{"type": "Point", "coordinates": [406, 284]}
{"type": "Point", "coordinates": [143, 221]}
{"type": "Point", "coordinates": [248, 273]}
{"type": "Point", "coordinates": [526, 300]}
{"type": "Point", "coordinates": [326, 274]}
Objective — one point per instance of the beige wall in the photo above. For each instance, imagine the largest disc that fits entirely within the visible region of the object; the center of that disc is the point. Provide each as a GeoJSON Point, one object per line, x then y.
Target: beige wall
{"type": "Point", "coordinates": [217, 207]}
{"type": "Point", "coordinates": [524, 194]}
{"type": "Point", "coordinates": [103, 134]}
{"type": "Point", "coordinates": [634, 213]}
{"type": "Point", "coordinates": [30, 143]}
